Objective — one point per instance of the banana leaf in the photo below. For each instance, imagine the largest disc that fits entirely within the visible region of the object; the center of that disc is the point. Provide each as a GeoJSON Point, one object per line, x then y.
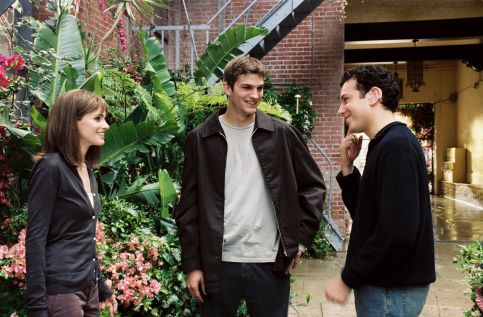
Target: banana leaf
{"type": "Point", "coordinates": [167, 192]}
{"type": "Point", "coordinates": [122, 139]}
{"type": "Point", "coordinates": [54, 51]}
{"type": "Point", "coordinates": [148, 193]}
{"type": "Point", "coordinates": [156, 65]}
{"type": "Point", "coordinates": [219, 53]}
{"type": "Point", "coordinates": [28, 141]}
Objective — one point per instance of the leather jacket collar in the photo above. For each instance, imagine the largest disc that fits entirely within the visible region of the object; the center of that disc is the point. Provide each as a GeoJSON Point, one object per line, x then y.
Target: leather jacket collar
{"type": "Point", "coordinates": [213, 126]}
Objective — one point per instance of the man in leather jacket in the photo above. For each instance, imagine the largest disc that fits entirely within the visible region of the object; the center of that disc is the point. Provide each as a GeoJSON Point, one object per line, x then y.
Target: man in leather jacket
{"type": "Point", "coordinates": [251, 201]}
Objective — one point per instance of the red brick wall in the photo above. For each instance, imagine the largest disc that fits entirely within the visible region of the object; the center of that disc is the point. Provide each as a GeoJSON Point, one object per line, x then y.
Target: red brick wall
{"type": "Point", "coordinates": [92, 23]}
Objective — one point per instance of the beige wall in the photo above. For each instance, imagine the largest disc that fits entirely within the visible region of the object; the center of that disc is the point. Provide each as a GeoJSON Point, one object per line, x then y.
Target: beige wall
{"type": "Point", "coordinates": [440, 82]}
{"type": "Point", "coordinates": [358, 11]}
{"type": "Point", "coordinates": [469, 126]}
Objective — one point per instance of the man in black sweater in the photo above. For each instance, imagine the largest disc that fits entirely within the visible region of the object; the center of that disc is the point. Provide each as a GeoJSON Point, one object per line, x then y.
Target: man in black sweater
{"type": "Point", "coordinates": [390, 258]}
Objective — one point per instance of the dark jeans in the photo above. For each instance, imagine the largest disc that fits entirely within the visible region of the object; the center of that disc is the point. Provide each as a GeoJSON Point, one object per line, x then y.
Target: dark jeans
{"type": "Point", "coordinates": [265, 292]}
{"type": "Point", "coordinates": [84, 303]}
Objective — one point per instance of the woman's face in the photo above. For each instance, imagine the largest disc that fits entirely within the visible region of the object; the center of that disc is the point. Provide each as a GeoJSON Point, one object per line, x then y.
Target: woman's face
{"type": "Point", "coordinates": [92, 127]}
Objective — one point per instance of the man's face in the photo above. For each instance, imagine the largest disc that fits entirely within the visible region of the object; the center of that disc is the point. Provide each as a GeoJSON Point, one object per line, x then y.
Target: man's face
{"type": "Point", "coordinates": [353, 108]}
{"type": "Point", "coordinates": [246, 94]}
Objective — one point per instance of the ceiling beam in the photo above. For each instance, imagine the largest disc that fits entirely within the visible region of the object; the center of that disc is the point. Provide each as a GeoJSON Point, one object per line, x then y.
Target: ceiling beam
{"type": "Point", "coordinates": [427, 29]}
{"type": "Point", "coordinates": [471, 54]}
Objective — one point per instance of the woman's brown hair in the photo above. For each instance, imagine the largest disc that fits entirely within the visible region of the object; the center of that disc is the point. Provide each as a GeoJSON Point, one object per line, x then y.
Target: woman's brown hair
{"type": "Point", "coordinates": [61, 134]}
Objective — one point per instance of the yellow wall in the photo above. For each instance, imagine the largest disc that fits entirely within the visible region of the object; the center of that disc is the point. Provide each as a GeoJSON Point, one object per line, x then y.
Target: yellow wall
{"type": "Point", "coordinates": [469, 124]}
{"type": "Point", "coordinates": [440, 82]}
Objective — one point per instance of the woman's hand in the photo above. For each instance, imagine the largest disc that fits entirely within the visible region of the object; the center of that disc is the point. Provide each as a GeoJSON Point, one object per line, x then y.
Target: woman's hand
{"type": "Point", "coordinates": [110, 303]}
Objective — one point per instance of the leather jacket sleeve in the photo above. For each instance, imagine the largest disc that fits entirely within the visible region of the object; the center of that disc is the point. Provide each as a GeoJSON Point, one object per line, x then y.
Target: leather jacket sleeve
{"type": "Point", "coordinates": [187, 211]}
{"type": "Point", "coordinates": [311, 191]}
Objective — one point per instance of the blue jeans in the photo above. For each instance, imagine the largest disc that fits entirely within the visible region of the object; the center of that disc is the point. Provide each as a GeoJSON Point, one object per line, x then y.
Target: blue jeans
{"type": "Point", "coordinates": [374, 301]}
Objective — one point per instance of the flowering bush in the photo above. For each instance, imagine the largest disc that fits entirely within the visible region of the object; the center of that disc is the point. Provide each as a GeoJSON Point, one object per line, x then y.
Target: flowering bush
{"type": "Point", "coordinates": [470, 260]}
{"type": "Point", "coordinates": [12, 261]}
{"type": "Point", "coordinates": [146, 275]}
{"type": "Point", "coordinates": [12, 277]}
{"type": "Point", "coordinates": [10, 82]}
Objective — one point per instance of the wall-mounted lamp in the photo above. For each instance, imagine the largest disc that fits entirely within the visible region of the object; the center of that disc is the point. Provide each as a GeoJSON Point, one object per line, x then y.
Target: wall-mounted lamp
{"type": "Point", "coordinates": [297, 97]}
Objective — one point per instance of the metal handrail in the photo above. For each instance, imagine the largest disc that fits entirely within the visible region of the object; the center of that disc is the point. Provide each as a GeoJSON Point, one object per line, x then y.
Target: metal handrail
{"type": "Point", "coordinates": [331, 173]}
{"type": "Point", "coordinates": [247, 9]}
{"type": "Point", "coordinates": [222, 9]}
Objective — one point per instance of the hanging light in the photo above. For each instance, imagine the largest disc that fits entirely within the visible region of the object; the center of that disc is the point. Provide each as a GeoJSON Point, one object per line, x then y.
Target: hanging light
{"type": "Point", "coordinates": [415, 73]}
{"type": "Point", "coordinates": [398, 80]}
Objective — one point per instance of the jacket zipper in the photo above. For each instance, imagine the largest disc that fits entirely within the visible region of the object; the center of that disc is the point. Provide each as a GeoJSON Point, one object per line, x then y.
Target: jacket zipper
{"type": "Point", "coordinates": [223, 233]}
{"type": "Point", "coordinates": [273, 205]}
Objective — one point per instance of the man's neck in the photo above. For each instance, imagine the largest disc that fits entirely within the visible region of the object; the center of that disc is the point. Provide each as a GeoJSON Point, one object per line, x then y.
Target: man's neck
{"type": "Point", "coordinates": [236, 119]}
{"type": "Point", "coordinates": [381, 120]}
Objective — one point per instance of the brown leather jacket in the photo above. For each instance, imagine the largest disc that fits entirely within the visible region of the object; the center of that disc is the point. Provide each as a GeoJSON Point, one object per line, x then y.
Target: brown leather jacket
{"type": "Point", "coordinates": [292, 176]}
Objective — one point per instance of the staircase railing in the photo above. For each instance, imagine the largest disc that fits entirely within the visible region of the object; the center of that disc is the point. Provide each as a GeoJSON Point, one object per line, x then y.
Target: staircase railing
{"type": "Point", "coordinates": [332, 232]}
{"type": "Point", "coordinates": [191, 28]}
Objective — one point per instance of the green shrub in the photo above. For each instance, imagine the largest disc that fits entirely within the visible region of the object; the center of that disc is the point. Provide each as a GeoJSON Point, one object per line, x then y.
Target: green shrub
{"type": "Point", "coordinates": [122, 218]}
{"type": "Point", "coordinates": [470, 261]}
{"type": "Point", "coordinates": [320, 247]}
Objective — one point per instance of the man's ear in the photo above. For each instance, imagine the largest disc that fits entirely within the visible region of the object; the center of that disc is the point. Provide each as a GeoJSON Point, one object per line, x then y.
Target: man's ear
{"type": "Point", "coordinates": [226, 88]}
{"type": "Point", "coordinates": [375, 94]}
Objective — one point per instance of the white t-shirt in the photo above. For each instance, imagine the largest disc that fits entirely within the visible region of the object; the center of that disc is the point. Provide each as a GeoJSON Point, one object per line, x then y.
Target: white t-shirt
{"type": "Point", "coordinates": [250, 226]}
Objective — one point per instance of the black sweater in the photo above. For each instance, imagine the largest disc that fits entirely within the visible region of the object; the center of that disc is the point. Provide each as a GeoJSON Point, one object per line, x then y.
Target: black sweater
{"type": "Point", "coordinates": [391, 243]}
{"type": "Point", "coordinates": [60, 242]}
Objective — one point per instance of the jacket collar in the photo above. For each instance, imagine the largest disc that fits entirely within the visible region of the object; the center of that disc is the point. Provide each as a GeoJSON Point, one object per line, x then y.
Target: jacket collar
{"type": "Point", "coordinates": [212, 124]}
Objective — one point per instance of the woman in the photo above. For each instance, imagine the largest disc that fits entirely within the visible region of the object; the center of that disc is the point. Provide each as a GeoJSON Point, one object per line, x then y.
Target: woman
{"type": "Point", "coordinates": [63, 274]}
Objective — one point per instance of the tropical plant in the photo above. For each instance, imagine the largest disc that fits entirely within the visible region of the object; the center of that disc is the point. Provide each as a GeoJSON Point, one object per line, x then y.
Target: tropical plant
{"type": "Point", "coordinates": [58, 57]}
{"type": "Point", "coordinates": [129, 8]}
{"type": "Point", "coordinates": [219, 53]}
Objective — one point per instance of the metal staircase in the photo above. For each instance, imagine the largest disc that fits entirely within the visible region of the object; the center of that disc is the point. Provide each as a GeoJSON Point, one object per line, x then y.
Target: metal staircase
{"type": "Point", "coordinates": [5, 5]}
{"type": "Point", "coordinates": [279, 22]}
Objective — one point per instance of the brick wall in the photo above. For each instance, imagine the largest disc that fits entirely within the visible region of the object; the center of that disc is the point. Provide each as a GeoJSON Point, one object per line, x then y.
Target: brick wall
{"type": "Point", "coordinates": [312, 55]}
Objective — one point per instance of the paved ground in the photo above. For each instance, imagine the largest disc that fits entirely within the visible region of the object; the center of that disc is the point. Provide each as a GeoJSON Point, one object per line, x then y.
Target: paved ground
{"type": "Point", "coordinates": [454, 224]}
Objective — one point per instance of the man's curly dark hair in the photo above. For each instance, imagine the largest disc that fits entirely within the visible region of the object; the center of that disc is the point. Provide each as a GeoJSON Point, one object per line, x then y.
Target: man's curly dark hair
{"type": "Point", "coordinates": [368, 76]}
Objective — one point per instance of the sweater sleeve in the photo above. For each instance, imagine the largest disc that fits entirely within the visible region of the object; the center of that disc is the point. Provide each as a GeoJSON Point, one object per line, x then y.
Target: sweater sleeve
{"type": "Point", "coordinates": [41, 200]}
{"type": "Point", "coordinates": [350, 189]}
{"type": "Point", "coordinates": [187, 210]}
{"type": "Point", "coordinates": [397, 223]}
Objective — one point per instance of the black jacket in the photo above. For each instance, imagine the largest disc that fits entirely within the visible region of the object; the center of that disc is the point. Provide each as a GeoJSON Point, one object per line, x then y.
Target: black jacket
{"type": "Point", "coordinates": [60, 243]}
{"type": "Point", "coordinates": [391, 243]}
{"type": "Point", "coordinates": [292, 177]}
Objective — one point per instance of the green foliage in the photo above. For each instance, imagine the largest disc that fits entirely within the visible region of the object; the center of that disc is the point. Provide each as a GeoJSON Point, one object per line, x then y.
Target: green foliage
{"type": "Point", "coordinates": [320, 247]}
{"type": "Point", "coordinates": [304, 119]}
{"type": "Point", "coordinates": [57, 59]}
{"type": "Point", "coordinates": [470, 261]}
{"type": "Point", "coordinates": [11, 298]}
{"type": "Point", "coordinates": [122, 218]}
{"type": "Point", "coordinates": [157, 76]}
{"type": "Point", "coordinates": [218, 54]}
